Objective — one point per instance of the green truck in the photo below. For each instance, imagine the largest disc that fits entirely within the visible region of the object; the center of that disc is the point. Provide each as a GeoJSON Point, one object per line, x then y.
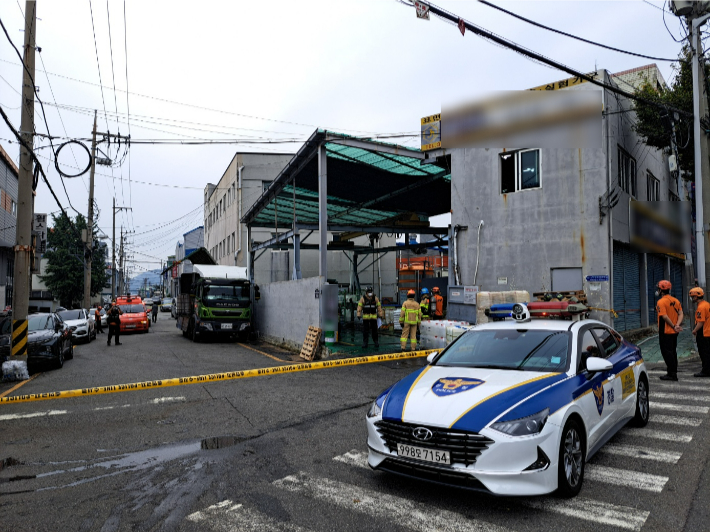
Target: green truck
{"type": "Point", "coordinates": [215, 301]}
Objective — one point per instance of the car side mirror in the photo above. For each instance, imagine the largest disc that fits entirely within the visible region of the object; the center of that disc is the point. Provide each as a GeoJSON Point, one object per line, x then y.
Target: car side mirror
{"type": "Point", "coordinates": [596, 364]}
{"type": "Point", "coordinates": [431, 357]}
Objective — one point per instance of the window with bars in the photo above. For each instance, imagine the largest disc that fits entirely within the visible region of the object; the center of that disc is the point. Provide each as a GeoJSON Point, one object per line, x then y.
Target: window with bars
{"type": "Point", "coordinates": [627, 172]}
{"type": "Point", "coordinates": [653, 187]}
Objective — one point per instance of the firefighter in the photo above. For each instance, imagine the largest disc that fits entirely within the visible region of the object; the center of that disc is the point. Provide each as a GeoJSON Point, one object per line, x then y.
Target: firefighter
{"type": "Point", "coordinates": [670, 317]}
{"type": "Point", "coordinates": [410, 318]}
{"type": "Point", "coordinates": [701, 331]}
{"type": "Point", "coordinates": [437, 312]}
{"type": "Point", "coordinates": [369, 309]}
{"type": "Point", "coordinates": [424, 304]}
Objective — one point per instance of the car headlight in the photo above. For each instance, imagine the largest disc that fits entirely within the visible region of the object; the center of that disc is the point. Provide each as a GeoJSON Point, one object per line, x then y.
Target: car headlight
{"type": "Point", "coordinates": [243, 326]}
{"type": "Point", "coordinates": [376, 408]}
{"type": "Point", "coordinates": [207, 326]}
{"type": "Point", "coordinates": [525, 426]}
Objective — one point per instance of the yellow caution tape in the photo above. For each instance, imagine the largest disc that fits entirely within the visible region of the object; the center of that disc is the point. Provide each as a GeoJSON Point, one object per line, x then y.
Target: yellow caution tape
{"type": "Point", "coordinates": [230, 375]}
{"type": "Point", "coordinates": [613, 312]}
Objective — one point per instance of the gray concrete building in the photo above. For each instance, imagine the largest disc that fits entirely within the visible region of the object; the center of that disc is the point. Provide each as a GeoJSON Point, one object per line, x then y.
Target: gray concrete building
{"type": "Point", "coordinates": [9, 175]}
{"type": "Point", "coordinates": [557, 219]}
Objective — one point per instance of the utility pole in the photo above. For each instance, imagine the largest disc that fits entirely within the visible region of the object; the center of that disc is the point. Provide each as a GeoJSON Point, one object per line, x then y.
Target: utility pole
{"type": "Point", "coordinates": [90, 222]}
{"type": "Point", "coordinates": [113, 243]}
{"type": "Point", "coordinates": [120, 267]}
{"type": "Point", "coordinates": [25, 206]}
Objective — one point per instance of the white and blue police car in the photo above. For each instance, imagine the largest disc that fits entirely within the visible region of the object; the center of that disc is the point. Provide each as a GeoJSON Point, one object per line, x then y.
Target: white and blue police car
{"type": "Point", "coordinates": [513, 407]}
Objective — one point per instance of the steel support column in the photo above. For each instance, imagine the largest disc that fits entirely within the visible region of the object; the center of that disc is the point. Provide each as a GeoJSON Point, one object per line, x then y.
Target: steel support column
{"type": "Point", "coordinates": [323, 211]}
{"type": "Point", "coordinates": [296, 255]}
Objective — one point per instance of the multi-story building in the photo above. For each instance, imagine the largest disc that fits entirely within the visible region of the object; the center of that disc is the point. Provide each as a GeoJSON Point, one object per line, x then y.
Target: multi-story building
{"type": "Point", "coordinates": [246, 178]}
{"type": "Point", "coordinates": [558, 219]}
{"type": "Point", "coordinates": [9, 178]}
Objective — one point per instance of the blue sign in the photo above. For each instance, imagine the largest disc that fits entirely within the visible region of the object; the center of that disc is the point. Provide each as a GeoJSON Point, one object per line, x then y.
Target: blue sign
{"type": "Point", "coordinates": [597, 278]}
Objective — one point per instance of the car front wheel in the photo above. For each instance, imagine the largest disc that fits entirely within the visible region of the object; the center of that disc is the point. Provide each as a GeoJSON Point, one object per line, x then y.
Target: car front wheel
{"type": "Point", "coordinates": [60, 360]}
{"type": "Point", "coordinates": [570, 467]}
{"type": "Point", "coordinates": [643, 411]}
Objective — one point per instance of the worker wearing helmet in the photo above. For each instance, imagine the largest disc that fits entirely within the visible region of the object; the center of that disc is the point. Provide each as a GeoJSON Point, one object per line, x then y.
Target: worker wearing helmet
{"type": "Point", "coordinates": [424, 304]}
{"type": "Point", "coordinates": [410, 318]}
{"type": "Point", "coordinates": [670, 316]}
{"type": "Point", "coordinates": [701, 331]}
{"type": "Point", "coordinates": [437, 301]}
{"type": "Point", "coordinates": [369, 309]}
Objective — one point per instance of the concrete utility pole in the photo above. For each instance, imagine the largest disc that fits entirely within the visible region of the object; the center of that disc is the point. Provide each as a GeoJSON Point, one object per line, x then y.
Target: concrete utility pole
{"type": "Point", "coordinates": [25, 206]}
{"type": "Point", "coordinates": [90, 222]}
{"type": "Point", "coordinates": [120, 267]}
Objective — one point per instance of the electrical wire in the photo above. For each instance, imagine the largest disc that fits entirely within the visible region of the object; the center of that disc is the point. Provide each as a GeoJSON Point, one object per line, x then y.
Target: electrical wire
{"type": "Point", "coordinates": [519, 17]}
{"type": "Point", "coordinates": [98, 66]}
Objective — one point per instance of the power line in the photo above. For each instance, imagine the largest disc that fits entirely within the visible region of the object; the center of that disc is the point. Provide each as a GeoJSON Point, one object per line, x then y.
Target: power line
{"type": "Point", "coordinates": [519, 17]}
{"type": "Point", "coordinates": [98, 66]}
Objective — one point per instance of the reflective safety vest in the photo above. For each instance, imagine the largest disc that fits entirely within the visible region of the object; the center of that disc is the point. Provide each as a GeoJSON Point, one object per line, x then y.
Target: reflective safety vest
{"type": "Point", "coordinates": [424, 305]}
{"type": "Point", "coordinates": [411, 312]}
{"type": "Point", "coordinates": [369, 308]}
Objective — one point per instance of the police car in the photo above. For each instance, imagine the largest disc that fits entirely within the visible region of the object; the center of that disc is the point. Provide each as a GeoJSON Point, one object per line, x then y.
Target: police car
{"type": "Point", "coordinates": [512, 407]}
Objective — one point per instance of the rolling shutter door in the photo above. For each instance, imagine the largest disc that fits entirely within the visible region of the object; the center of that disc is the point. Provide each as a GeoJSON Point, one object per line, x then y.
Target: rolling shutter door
{"type": "Point", "coordinates": [655, 269]}
{"type": "Point", "coordinates": [627, 290]}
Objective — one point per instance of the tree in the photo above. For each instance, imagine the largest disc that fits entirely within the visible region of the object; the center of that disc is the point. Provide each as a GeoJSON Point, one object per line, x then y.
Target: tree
{"type": "Point", "coordinates": [654, 122]}
{"type": "Point", "coordinates": [65, 257]}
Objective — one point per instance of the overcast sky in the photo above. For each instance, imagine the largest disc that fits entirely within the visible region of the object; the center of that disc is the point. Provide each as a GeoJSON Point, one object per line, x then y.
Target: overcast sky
{"type": "Point", "coordinates": [274, 70]}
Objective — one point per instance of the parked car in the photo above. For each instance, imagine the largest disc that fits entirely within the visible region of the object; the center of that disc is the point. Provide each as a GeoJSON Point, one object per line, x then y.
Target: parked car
{"type": "Point", "coordinates": [5, 330]}
{"type": "Point", "coordinates": [173, 308]}
{"type": "Point", "coordinates": [166, 305]}
{"type": "Point", "coordinates": [81, 324]}
{"type": "Point", "coordinates": [49, 341]}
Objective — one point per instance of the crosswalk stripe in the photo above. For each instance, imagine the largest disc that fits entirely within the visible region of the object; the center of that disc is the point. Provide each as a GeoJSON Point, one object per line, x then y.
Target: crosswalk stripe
{"type": "Point", "coordinates": [226, 516]}
{"type": "Point", "coordinates": [676, 420]}
{"type": "Point", "coordinates": [599, 513]}
{"type": "Point", "coordinates": [680, 408]}
{"type": "Point", "coordinates": [646, 453]}
{"type": "Point", "coordinates": [589, 510]}
{"type": "Point", "coordinates": [681, 386]}
{"type": "Point", "coordinates": [626, 478]}
{"type": "Point", "coordinates": [659, 435]}
{"type": "Point", "coordinates": [681, 397]}
{"type": "Point", "coordinates": [406, 513]}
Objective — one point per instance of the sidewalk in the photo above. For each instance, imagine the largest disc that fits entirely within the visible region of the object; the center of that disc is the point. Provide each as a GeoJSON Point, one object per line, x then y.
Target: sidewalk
{"type": "Point", "coordinates": [686, 345]}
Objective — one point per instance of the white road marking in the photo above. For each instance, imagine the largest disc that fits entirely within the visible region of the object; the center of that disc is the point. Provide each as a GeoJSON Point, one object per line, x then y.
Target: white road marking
{"type": "Point", "coordinates": [98, 408]}
{"type": "Point", "coordinates": [660, 435]}
{"type": "Point", "coordinates": [681, 386]}
{"type": "Point", "coordinates": [353, 458]}
{"type": "Point", "coordinates": [625, 477]}
{"type": "Point", "coordinates": [680, 408]}
{"type": "Point", "coordinates": [680, 397]}
{"type": "Point", "coordinates": [676, 420]}
{"type": "Point", "coordinates": [406, 513]}
{"type": "Point", "coordinates": [161, 400]}
{"type": "Point", "coordinates": [645, 453]}
{"type": "Point", "coordinates": [226, 516]}
{"type": "Point", "coordinates": [7, 417]}
{"type": "Point", "coordinates": [599, 513]}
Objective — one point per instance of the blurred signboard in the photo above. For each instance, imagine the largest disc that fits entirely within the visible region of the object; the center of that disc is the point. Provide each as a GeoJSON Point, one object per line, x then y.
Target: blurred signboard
{"type": "Point", "coordinates": [39, 226]}
{"type": "Point", "coordinates": [431, 132]}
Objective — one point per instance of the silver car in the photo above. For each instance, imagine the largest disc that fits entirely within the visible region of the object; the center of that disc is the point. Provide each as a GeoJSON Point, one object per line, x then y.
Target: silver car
{"type": "Point", "coordinates": [80, 323]}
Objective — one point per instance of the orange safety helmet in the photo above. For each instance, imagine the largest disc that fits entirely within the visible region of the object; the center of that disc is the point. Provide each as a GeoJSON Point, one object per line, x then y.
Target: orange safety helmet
{"type": "Point", "coordinates": [696, 292]}
{"type": "Point", "coordinates": [411, 293]}
{"type": "Point", "coordinates": [664, 285]}
{"type": "Point", "coordinates": [435, 289]}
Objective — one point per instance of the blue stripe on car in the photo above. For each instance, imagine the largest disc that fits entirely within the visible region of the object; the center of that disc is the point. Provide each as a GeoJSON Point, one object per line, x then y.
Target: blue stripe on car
{"type": "Point", "coordinates": [397, 397]}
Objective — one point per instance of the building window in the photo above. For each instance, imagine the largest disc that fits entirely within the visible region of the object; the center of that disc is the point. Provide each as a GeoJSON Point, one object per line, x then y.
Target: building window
{"type": "Point", "coordinates": [13, 208]}
{"type": "Point", "coordinates": [229, 244]}
{"type": "Point", "coordinates": [519, 170]}
{"type": "Point", "coordinates": [653, 188]}
{"type": "Point", "coordinates": [265, 185]}
{"type": "Point", "coordinates": [224, 206]}
{"type": "Point", "coordinates": [234, 243]}
{"type": "Point", "coordinates": [627, 172]}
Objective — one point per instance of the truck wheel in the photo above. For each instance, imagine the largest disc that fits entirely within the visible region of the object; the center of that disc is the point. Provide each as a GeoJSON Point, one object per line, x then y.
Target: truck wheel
{"type": "Point", "coordinates": [193, 332]}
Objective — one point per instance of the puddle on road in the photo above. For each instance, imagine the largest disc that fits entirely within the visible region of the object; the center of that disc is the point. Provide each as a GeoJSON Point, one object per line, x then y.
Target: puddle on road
{"type": "Point", "coordinates": [220, 442]}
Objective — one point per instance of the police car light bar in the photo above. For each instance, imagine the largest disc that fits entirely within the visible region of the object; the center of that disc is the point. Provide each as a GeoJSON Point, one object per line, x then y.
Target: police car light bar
{"type": "Point", "coordinates": [539, 309]}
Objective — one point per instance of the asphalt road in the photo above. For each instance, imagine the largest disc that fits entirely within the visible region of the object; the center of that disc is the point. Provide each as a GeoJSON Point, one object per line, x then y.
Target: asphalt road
{"type": "Point", "coordinates": [286, 452]}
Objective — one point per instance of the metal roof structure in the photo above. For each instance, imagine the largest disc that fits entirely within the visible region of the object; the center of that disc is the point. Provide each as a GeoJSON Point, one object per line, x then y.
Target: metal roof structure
{"type": "Point", "coordinates": [370, 183]}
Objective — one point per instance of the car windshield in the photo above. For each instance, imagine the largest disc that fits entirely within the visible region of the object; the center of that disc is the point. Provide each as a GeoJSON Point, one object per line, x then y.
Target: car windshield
{"type": "Point", "coordinates": [131, 309]}
{"type": "Point", "coordinates": [71, 315]}
{"type": "Point", "coordinates": [214, 292]}
{"type": "Point", "coordinates": [516, 349]}
{"type": "Point", "coordinates": [38, 323]}
{"type": "Point", "coordinates": [167, 301]}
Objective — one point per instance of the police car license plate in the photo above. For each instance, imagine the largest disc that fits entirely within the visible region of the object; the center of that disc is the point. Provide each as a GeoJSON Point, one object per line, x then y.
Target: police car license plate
{"type": "Point", "coordinates": [426, 455]}
{"type": "Point", "coordinates": [226, 326]}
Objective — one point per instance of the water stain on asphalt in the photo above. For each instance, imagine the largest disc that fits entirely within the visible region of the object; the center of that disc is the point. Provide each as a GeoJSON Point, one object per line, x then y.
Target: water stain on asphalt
{"type": "Point", "coordinates": [220, 442]}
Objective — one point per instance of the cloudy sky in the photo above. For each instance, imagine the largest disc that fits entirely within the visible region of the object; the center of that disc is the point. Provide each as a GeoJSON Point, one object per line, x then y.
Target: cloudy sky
{"type": "Point", "coordinates": [273, 70]}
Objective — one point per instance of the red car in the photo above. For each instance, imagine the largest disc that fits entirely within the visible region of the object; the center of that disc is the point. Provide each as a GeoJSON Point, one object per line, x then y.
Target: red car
{"type": "Point", "coordinates": [134, 317]}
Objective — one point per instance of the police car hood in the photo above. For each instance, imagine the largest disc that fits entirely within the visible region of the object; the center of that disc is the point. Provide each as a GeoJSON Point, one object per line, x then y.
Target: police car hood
{"type": "Point", "coordinates": [461, 398]}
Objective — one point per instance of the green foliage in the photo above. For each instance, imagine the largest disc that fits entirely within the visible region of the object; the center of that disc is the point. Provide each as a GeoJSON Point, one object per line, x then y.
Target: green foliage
{"type": "Point", "coordinates": [65, 256]}
{"type": "Point", "coordinates": [654, 123]}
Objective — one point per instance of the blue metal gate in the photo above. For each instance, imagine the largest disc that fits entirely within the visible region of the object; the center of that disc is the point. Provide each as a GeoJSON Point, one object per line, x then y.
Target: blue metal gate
{"type": "Point", "coordinates": [677, 280]}
{"type": "Point", "coordinates": [627, 288]}
{"type": "Point", "coordinates": [655, 272]}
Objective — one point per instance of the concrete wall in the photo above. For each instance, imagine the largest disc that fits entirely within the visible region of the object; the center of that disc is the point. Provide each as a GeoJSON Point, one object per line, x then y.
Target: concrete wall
{"type": "Point", "coordinates": [286, 310]}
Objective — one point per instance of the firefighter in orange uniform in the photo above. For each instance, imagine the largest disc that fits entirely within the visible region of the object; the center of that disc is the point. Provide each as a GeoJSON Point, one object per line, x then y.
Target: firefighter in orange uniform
{"type": "Point", "coordinates": [437, 304]}
{"type": "Point", "coordinates": [702, 329]}
{"type": "Point", "coordinates": [410, 318]}
{"type": "Point", "coordinates": [670, 316]}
